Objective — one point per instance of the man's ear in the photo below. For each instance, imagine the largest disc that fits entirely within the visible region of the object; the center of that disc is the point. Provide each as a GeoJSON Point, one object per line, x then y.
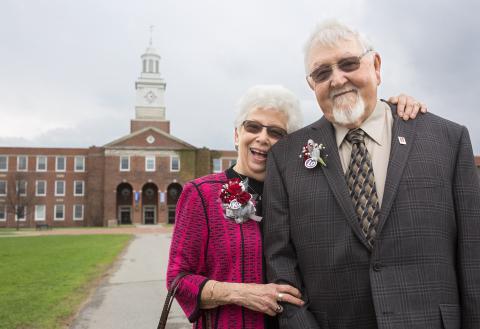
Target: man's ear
{"type": "Point", "coordinates": [377, 63]}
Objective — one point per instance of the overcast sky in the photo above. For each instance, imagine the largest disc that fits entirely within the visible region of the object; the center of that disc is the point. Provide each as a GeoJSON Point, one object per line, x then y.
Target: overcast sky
{"type": "Point", "coordinates": [67, 68]}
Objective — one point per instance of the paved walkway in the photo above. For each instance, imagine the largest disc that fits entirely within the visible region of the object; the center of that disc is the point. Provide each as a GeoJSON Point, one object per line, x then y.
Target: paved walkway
{"type": "Point", "coordinates": [133, 296]}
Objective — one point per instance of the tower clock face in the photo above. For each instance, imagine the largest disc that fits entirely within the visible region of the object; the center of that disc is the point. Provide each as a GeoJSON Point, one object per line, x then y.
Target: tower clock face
{"type": "Point", "coordinates": [150, 97]}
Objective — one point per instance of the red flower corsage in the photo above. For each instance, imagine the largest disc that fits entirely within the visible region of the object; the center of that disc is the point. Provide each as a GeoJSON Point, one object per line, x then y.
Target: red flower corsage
{"type": "Point", "coordinates": [237, 202]}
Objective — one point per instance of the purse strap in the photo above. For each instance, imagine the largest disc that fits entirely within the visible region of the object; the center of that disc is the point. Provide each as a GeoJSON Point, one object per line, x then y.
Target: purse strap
{"type": "Point", "coordinates": [169, 300]}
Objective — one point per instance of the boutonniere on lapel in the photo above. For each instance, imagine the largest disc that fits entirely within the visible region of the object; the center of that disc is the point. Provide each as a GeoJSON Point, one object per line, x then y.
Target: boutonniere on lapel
{"type": "Point", "coordinates": [237, 203]}
{"type": "Point", "coordinates": [313, 154]}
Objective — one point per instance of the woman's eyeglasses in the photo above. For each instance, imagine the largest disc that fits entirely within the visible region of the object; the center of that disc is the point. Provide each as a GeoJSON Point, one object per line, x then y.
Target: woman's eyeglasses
{"type": "Point", "coordinates": [255, 127]}
{"type": "Point", "coordinates": [349, 64]}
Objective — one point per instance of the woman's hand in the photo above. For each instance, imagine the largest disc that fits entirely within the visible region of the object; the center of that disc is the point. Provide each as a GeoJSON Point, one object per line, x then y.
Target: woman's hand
{"type": "Point", "coordinates": [264, 298]}
{"type": "Point", "coordinates": [407, 106]}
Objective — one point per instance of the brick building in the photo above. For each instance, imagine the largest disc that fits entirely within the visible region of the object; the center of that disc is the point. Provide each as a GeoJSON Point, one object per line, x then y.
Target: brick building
{"type": "Point", "coordinates": [134, 179]}
{"type": "Point", "coordinates": [477, 163]}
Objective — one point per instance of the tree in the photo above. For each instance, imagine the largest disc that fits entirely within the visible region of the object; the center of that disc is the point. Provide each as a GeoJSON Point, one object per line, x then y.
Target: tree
{"type": "Point", "coordinates": [18, 199]}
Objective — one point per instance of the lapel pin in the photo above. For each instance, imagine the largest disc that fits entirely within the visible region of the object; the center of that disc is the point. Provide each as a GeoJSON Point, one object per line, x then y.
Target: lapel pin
{"type": "Point", "coordinates": [402, 140]}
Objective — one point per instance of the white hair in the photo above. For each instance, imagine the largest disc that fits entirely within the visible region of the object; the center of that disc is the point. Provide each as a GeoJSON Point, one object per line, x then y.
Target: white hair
{"type": "Point", "coordinates": [328, 33]}
{"type": "Point", "coordinates": [273, 97]}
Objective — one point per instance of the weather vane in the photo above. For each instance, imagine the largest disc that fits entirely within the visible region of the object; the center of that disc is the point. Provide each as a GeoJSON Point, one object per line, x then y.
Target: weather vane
{"type": "Point", "coordinates": [151, 33]}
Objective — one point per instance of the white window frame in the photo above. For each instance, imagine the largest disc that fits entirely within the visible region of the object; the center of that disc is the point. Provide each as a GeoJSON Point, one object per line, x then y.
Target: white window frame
{"type": "Point", "coordinates": [24, 218]}
{"type": "Point", "coordinates": [128, 162]}
{"type": "Point", "coordinates": [77, 157]}
{"type": "Point", "coordinates": [219, 163]}
{"type": "Point", "coordinates": [26, 162]}
{"type": "Point", "coordinates": [38, 163]}
{"type": "Point", "coordinates": [75, 188]}
{"type": "Point", "coordinates": [64, 163]}
{"type": "Point", "coordinates": [44, 189]}
{"type": "Point", "coordinates": [56, 188]}
{"type": "Point", "coordinates": [83, 211]}
{"type": "Point", "coordinates": [6, 188]}
{"type": "Point", "coordinates": [147, 158]}
{"type": "Point", "coordinates": [37, 207]}
{"type": "Point", "coordinates": [171, 163]}
{"type": "Point", "coordinates": [6, 162]}
{"type": "Point", "coordinates": [18, 185]}
{"type": "Point", "coordinates": [55, 212]}
{"type": "Point", "coordinates": [4, 207]}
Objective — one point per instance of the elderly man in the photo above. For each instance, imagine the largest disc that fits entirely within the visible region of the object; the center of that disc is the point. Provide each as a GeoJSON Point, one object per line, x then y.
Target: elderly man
{"type": "Point", "coordinates": [375, 219]}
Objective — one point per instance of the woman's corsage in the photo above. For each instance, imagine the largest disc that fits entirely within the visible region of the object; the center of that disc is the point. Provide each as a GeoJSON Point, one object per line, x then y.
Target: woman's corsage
{"type": "Point", "coordinates": [313, 153]}
{"type": "Point", "coordinates": [237, 202]}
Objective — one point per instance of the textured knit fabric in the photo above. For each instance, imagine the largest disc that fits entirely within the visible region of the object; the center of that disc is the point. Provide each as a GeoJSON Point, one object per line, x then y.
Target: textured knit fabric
{"type": "Point", "coordinates": [423, 271]}
{"type": "Point", "coordinates": [209, 246]}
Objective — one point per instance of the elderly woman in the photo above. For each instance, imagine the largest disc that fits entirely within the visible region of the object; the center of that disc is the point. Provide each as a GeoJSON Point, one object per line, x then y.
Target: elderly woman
{"type": "Point", "coordinates": [217, 238]}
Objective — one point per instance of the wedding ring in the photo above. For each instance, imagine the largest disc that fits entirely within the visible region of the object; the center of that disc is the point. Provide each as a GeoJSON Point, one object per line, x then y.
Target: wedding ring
{"type": "Point", "coordinates": [280, 297]}
{"type": "Point", "coordinates": [279, 309]}
{"type": "Point", "coordinates": [418, 104]}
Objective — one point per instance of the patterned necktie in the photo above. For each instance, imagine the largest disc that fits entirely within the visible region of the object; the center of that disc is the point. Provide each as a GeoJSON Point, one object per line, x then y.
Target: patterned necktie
{"type": "Point", "coordinates": [361, 183]}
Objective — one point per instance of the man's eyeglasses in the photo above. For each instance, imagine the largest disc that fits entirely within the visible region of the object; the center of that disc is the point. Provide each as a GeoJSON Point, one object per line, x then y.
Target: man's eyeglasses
{"type": "Point", "coordinates": [349, 64]}
{"type": "Point", "coordinates": [255, 127]}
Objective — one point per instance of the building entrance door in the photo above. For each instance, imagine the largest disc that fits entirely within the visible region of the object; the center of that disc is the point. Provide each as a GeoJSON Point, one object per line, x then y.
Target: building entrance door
{"type": "Point", "coordinates": [125, 215]}
{"type": "Point", "coordinates": [173, 193]}
{"type": "Point", "coordinates": [149, 214]}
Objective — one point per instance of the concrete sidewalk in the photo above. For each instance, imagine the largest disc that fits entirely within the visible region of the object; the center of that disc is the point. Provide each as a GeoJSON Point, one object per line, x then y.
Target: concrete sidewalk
{"type": "Point", "coordinates": [133, 296]}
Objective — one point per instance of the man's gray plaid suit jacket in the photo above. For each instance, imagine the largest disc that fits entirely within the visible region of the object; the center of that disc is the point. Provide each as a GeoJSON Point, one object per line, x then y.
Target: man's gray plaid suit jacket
{"type": "Point", "coordinates": [424, 269]}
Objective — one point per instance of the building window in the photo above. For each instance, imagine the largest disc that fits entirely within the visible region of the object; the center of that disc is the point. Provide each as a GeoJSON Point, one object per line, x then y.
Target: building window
{"type": "Point", "coordinates": [217, 165]}
{"type": "Point", "coordinates": [79, 186]}
{"type": "Point", "coordinates": [79, 163]}
{"type": "Point", "coordinates": [150, 163]}
{"type": "Point", "coordinates": [150, 66]}
{"type": "Point", "coordinates": [174, 163]}
{"type": "Point", "coordinates": [3, 163]}
{"type": "Point", "coordinates": [22, 187]}
{"type": "Point", "coordinates": [232, 162]}
{"type": "Point", "coordinates": [60, 163]}
{"type": "Point", "coordinates": [156, 66]}
{"type": "Point", "coordinates": [41, 188]}
{"type": "Point", "coordinates": [3, 213]}
{"type": "Point", "coordinates": [59, 212]}
{"type": "Point", "coordinates": [3, 187]}
{"type": "Point", "coordinates": [22, 163]}
{"type": "Point", "coordinates": [41, 163]}
{"type": "Point", "coordinates": [60, 188]}
{"type": "Point", "coordinates": [78, 212]}
{"type": "Point", "coordinates": [20, 214]}
{"type": "Point", "coordinates": [40, 212]}
{"type": "Point", "coordinates": [124, 163]}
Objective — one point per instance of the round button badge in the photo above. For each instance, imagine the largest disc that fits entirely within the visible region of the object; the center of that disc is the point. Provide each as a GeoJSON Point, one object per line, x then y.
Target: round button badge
{"type": "Point", "coordinates": [311, 163]}
{"type": "Point", "coordinates": [234, 205]}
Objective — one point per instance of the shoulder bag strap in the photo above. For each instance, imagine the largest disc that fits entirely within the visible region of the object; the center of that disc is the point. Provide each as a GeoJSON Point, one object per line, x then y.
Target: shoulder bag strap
{"type": "Point", "coordinates": [169, 300]}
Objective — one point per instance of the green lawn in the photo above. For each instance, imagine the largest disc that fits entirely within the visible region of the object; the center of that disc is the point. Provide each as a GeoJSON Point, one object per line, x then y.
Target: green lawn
{"type": "Point", "coordinates": [44, 279]}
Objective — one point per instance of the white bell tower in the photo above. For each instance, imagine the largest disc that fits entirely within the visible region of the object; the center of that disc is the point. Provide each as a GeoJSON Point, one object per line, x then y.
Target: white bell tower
{"type": "Point", "coordinates": [150, 87]}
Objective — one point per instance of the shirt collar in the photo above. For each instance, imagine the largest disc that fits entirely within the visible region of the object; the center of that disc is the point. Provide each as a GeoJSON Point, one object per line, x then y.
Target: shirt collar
{"type": "Point", "coordinates": [373, 126]}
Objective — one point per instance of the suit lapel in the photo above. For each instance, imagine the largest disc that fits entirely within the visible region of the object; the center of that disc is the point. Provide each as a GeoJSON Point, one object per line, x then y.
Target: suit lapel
{"type": "Point", "coordinates": [398, 159]}
{"type": "Point", "coordinates": [322, 132]}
